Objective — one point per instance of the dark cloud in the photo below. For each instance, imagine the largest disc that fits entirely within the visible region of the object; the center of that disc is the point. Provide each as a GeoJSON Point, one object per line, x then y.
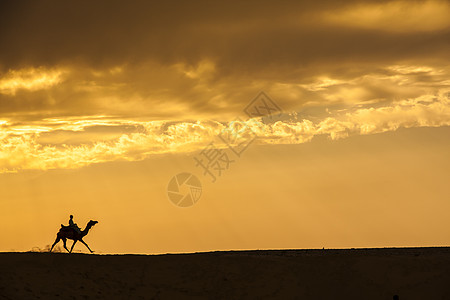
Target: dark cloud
{"type": "Point", "coordinates": [253, 45]}
{"type": "Point", "coordinates": [239, 36]}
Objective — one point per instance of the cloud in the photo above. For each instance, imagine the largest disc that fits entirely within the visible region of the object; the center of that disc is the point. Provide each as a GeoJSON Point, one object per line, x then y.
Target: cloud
{"type": "Point", "coordinates": [395, 16]}
{"type": "Point", "coordinates": [151, 61]}
{"type": "Point", "coordinates": [179, 91]}
{"type": "Point", "coordinates": [255, 37]}
{"type": "Point", "coordinates": [21, 147]}
{"type": "Point", "coordinates": [136, 80]}
{"type": "Point", "coordinates": [31, 79]}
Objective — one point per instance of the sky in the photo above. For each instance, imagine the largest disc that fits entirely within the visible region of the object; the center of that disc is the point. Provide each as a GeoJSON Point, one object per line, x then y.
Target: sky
{"type": "Point", "coordinates": [102, 104]}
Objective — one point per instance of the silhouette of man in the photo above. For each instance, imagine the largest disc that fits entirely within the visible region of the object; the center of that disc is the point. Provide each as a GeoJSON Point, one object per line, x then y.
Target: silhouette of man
{"type": "Point", "coordinates": [74, 225]}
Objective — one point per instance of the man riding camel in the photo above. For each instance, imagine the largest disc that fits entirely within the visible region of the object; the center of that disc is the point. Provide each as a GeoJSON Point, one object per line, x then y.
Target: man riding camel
{"type": "Point", "coordinates": [74, 225]}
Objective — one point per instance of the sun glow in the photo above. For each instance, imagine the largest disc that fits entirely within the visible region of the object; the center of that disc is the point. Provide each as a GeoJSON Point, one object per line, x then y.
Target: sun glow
{"type": "Point", "coordinates": [29, 79]}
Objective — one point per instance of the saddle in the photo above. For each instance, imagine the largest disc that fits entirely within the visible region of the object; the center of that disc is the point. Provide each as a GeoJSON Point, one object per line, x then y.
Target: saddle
{"type": "Point", "coordinates": [68, 228]}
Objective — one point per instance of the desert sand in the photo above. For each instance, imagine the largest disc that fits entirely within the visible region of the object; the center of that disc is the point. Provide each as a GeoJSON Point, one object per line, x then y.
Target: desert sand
{"type": "Point", "coordinates": [410, 273]}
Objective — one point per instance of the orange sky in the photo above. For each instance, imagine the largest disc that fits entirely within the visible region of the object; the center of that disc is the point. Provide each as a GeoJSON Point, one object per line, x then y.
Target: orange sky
{"type": "Point", "coordinates": [97, 116]}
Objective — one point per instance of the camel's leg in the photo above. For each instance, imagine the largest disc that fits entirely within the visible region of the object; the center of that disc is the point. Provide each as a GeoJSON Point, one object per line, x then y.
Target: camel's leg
{"type": "Point", "coordinates": [65, 246]}
{"type": "Point", "coordinates": [56, 242]}
{"type": "Point", "coordinates": [71, 248]}
{"type": "Point", "coordinates": [86, 246]}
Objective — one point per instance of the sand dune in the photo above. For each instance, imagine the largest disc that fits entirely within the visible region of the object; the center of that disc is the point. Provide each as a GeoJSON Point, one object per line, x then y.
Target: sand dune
{"type": "Point", "coordinates": [410, 273]}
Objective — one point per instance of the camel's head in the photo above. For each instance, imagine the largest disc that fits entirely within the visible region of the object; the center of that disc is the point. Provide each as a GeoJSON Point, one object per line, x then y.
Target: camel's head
{"type": "Point", "coordinates": [92, 223]}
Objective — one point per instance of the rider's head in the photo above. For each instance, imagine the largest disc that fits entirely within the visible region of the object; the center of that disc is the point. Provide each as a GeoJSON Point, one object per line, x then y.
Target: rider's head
{"type": "Point", "coordinates": [71, 216]}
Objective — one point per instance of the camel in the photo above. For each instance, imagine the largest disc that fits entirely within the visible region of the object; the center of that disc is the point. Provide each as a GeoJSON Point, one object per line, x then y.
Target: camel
{"type": "Point", "coordinates": [67, 232]}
